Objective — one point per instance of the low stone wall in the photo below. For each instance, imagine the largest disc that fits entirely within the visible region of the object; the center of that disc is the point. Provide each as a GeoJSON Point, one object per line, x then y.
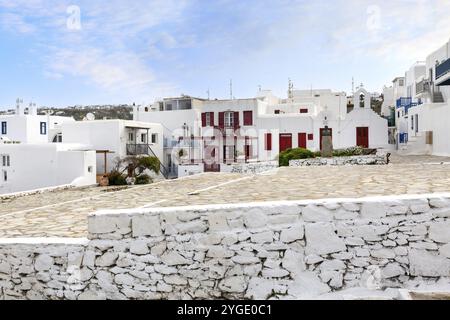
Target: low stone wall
{"type": "Point", "coordinates": [15, 195]}
{"type": "Point", "coordinates": [340, 161]}
{"type": "Point", "coordinates": [279, 250]}
{"type": "Point", "coordinates": [253, 168]}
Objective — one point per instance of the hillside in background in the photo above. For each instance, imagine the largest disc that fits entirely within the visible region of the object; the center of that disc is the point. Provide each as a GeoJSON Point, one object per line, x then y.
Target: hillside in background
{"type": "Point", "coordinates": [124, 112]}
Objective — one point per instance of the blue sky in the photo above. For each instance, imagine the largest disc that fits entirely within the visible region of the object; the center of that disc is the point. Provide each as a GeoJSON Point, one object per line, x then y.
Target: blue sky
{"type": "Point", "coordinates": [136, 51]}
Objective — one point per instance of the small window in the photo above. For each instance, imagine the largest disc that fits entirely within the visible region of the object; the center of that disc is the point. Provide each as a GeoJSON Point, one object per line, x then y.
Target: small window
{"type": "Point", "coordinates": [154, 138]}
{"type": "Point", "coordinates": [43, 128]}
{"type": "Point", "coordinates": [146, 109]}
{"type": "Point", "coordinates": [4, 127]}
{"type": "Point", "coordinates": [5, 175]}
{"type": "Point", "coordinates": [310, 137]}
{"type": "Point", "coordinates": [143, 137]}
{"type": "Point", "coordinates": [412, 122]}
{"type": "Point", "coordinates": [277, 111]}
{"type": "Point", "coordinates": [168, 106]}
{"type": "Point", "coordinates": [5, 161]}
{"type": "Point", "coordinates": [90, 169]}
{"type": "Point", "coordinates": [130, 136]}
{"type": "Point", "coordinates": [303, 110]}
{"type": "Point", "coordinates": [401, 83]}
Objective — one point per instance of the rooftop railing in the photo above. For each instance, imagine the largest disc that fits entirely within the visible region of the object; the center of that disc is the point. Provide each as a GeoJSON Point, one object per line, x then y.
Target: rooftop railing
{"type": "Point", "coordinates": [442, 69]}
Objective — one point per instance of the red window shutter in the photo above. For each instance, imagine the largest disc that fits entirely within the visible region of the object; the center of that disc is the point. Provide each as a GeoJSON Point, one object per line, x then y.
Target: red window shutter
{"type": "Point", "coordinates": [221, 119]}
{"type": "Point", "coordinates": [248, 118]}
{"type": "Point", "coordinates": [268, 142]}
{"type": "Point", "coordinates": [236, 119]}
{"type": "Point", "coordinates": [303, 110]}
{"type": "Point", "coordinates": [211, 119]}
{"type": "Point", "coordinates": [203, 120]}
{"type": "Point", "coordinates": [310, 137]}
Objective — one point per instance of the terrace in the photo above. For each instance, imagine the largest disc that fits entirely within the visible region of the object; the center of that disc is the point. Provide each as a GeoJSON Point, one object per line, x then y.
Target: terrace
{"type": "Point", "coordinates": [64, 213]}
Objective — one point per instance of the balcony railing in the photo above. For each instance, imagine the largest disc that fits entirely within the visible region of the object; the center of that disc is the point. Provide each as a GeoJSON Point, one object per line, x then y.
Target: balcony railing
{"type": "Point", "coordinates": [422, 86]}
{"type": "Point", "coordinates": [407, 103]}
{"type": "Point", "coordinates": [442, 69]}
{"type": "Point", "coordinates": [137, 149]}
{"type": "Point", "coordinates": [404, 101]}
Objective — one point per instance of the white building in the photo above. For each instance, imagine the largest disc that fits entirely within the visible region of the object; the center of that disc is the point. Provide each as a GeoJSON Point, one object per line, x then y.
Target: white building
{"type": "Point", "coordinates": [115, 139]}
{"type": "Point", "coordinates": [425, 108]}
{"type": "Point", "coordinates": [25, 167]}
{"type": "Point", "coordinates": [216, 133]}
{"type": "Point", "coordinates": [29, 127]}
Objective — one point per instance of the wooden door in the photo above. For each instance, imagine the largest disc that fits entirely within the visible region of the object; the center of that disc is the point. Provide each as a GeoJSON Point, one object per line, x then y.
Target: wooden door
{"type": "Point", "coordinates": [302, 137]}
{"type": "Point", "coordinates": [321, 135]}
{"type": "Point", "coordinates": [362, 137]}
{"type": "Point", "coordinates": [285, 142]}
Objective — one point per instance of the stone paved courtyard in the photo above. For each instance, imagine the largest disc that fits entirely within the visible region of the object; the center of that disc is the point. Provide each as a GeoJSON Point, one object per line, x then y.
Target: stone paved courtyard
{"type": "Point", "coordinates": [63, 213]}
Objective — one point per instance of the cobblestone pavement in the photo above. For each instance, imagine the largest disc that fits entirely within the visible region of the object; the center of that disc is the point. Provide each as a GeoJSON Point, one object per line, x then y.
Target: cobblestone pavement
{"type": "Point", "coordinates": [63, 213]}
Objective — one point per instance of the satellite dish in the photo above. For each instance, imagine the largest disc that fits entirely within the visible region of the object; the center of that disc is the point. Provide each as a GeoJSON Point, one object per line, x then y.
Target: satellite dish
{"type": "Point", "coordinates": [90, 117]}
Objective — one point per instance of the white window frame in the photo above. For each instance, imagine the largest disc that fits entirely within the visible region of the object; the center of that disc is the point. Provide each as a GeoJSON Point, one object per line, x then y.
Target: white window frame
{"type": "Point", "coordinates": [208, 119]}
{"type": "Point", "coordinates": [229, 119]}
{"type": "Point", "coordinates": [154, 138]}
{"type": "Point", "coordinates": [143, 137]}
{"type": "Point", "coordinates": [6, 160]}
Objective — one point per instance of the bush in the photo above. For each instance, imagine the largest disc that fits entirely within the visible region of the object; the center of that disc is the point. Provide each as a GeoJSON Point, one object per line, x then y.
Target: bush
{"type": "Point", "coordinates": [143, 179]}
{"type": "Point", "coordinates": [117, 179]}
{"type": "Point", "coordinates": [150, 163]}
{"type": "Point", "coordinates": [354, 151]}
{"type": "Point", "coordinates": [294, 154]}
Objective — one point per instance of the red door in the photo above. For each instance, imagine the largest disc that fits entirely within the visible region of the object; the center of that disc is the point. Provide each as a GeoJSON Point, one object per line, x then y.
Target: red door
{"type": "Point", "coordinates": [302, 140]}
{"type": "Point", "coordinates": [362, 137]}
{"type": "Point", "coordinates": [321, 135]}
{"type": "Point", "coordinates": [285, 141]}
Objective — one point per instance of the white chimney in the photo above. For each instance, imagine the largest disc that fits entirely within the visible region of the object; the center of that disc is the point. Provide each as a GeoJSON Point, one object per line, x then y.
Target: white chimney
{"type": "Point", "coordinates": [135, 112]}
{"type": "Point", "coordinates": [32, 110]}
{"type": "Point", "coordinates": [19, 108]}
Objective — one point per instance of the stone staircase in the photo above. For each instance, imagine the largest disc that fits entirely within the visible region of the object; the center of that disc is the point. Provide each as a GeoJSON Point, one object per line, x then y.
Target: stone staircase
{"type": "Point", "coordinates": [416, 146]}
{"type": "Point", "coordinates": [438, 97]}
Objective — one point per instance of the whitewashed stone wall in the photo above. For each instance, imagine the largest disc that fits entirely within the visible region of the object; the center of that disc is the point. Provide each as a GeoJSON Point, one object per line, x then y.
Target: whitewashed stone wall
{"type": "Point", "coordinates": [257, 251]}
{"type": "Point", "coordinates": [340, 161]}
{"type": "Point", "coordinates": [253, 168]}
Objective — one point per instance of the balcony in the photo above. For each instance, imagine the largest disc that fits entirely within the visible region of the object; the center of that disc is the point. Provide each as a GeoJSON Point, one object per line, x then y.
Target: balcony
{"type": "Point", "coordinates": [138, 149]}
{"type": "Point", "coordinates": [422, 86]}
{"type": "Point", "coordinates": [443, 72]}
{"type": "Point", "coordinates": [407, 103]}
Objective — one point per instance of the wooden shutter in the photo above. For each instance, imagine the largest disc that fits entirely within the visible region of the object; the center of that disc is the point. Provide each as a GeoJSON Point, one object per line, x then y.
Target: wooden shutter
{"type": "Point", "coordinates": [268, 142]}
{"type": "Point", "coordinates": [203, 120]}
{"type": "Point", "coordinates": [236, 120]}
{"type": "Point", "coordinates": [221, 119]}
{"type": "Point", "coordinates": [248, 118]}
{"type": "Point", "coordinates": [211, 119]}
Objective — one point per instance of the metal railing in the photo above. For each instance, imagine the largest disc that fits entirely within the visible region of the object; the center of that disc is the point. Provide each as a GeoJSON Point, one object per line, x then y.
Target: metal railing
{"type": "Point", "coordinates": [422, 86]}
{"type": "Point", "coordinates": [442, 69]}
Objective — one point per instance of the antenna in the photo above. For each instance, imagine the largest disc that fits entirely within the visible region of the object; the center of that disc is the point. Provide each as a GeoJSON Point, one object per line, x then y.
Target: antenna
{"type": "Point", "coordinates": [290, 89]}
{"type": "Point", "coordinates": [260, 88]}
{"type": "Point", "coordinates": [353, 86]}
{"type": "Point", "coordinates": [231, 89]}
{"type": "Point", "coordinates": [208, 94]}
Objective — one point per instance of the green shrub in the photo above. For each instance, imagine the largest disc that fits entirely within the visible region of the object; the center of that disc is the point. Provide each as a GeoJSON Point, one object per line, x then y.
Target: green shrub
{"type": "Point", "coordinates": [117, 179]}
{"type": "Point", "coordinates": [354, 151]}
{"type": "Point", "coordinates": [150, 163]}
{"type": "Point", "coordinates": [143, 179]}
{"type": "Point", "coordinates": [294, 154]}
